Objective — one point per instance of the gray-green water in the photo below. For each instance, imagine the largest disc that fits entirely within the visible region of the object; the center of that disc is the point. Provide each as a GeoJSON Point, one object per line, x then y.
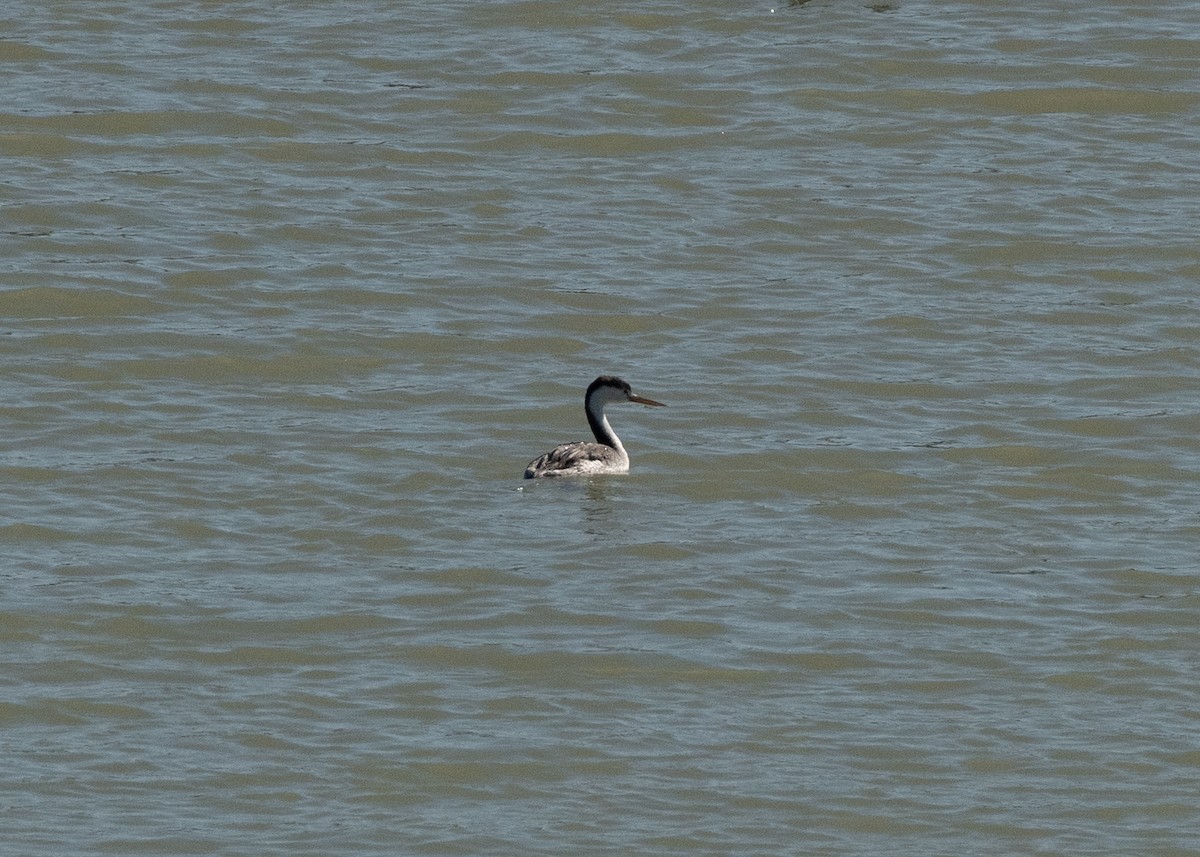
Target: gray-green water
{"type": "Point", "coordinates": [290, 293]}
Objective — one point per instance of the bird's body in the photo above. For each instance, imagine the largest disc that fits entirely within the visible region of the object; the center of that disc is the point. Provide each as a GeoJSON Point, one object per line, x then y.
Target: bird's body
{"type": "Point", "coordinates": [585, 458]}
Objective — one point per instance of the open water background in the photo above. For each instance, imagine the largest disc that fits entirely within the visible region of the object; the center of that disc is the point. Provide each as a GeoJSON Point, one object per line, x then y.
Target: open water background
{"type": "Point", "coordinates": [290, 293]}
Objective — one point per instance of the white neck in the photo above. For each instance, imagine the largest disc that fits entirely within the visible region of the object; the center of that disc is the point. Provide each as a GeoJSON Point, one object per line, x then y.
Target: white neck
{"type": "Point", "coordinates": [608, 437]}
{"type": "Point", "coordinates": [603, 432]}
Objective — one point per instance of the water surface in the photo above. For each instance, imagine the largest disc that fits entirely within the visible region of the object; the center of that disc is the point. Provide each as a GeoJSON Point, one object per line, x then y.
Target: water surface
{"type": "Point", "coordinates": [290, 297]}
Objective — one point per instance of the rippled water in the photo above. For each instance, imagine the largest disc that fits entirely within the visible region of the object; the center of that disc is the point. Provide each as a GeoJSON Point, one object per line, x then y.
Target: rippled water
{"type": "Point", "coordinates": [291, 295]}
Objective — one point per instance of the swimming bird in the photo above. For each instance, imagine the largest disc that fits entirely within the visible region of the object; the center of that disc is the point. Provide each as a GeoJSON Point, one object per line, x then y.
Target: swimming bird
{"type": "Point", "coordinates": [584, 458]}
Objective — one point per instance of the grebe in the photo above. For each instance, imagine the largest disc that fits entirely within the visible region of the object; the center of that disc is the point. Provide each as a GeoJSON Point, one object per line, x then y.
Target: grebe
{"type": "Point", "coordinates": [584, 458]}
